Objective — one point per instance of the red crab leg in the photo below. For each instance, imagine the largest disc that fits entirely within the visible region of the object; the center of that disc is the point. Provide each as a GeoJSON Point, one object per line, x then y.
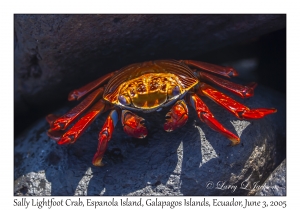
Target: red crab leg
{"type": "Point", "coordinates": [133, 125]}
{"type": "Point", "coordinates": [81, 125]}
{"type": "Point", "coordinates": [104, 137]}
{"type": "Point", "coordinates": [221, 70]}
{"type": "Point", "coordinates": [240, 90]}
{"type": "Point", "coordinates": [178, 116]}
{"type": "Point", "coordinates": [207, 117]}
{"type": "Point", "coordinates": [60, 123]}
{"type": "Point", "coordinates": [239, 110]}
{"type": "Point", "coordinates": [79, 93]}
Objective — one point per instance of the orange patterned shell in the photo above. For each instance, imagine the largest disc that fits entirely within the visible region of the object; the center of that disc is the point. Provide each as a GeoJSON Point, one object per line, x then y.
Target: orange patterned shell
{"type": "Point", "coordinates": [149, 85]}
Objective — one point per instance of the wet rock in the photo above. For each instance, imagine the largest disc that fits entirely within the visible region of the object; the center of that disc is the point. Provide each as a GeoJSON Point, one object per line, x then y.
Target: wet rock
{"type": "Point", "coordinates": [275, 183]}
{"type": "Point", "coordinates": [54, 54]}
{"type": "Point", "coordinates": [193, 160]}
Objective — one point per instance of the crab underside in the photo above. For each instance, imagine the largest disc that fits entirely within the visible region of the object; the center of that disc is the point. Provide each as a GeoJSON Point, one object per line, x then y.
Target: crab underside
{"type": "Point", "coordinates": [150, 86]}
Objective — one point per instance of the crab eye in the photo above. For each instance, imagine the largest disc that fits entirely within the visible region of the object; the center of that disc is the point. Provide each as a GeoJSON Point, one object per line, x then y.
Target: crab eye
{"type": "Point", "coordinates": [175, 91]}
{"type": "Point", "coordinates": [123, 100]}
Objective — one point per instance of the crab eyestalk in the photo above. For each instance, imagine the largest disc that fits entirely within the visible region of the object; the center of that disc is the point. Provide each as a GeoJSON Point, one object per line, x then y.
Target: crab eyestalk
{"type": "Point", "coordinates": [133, 125]}
{"type": "Point", "coordinates": [177, 116]}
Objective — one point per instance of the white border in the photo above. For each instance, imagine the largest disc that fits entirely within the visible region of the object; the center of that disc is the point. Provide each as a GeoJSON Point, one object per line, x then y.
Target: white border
{"type": "Point", "coordinates": [155, 6]}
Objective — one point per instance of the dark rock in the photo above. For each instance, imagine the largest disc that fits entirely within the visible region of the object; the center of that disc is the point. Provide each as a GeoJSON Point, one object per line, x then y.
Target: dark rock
{"type": "Point", "coordinates": [193, 160]}
{"type": "Point", "coordinates": [275, 183]}
{"type": "Point", "coordinates": [54, 54]}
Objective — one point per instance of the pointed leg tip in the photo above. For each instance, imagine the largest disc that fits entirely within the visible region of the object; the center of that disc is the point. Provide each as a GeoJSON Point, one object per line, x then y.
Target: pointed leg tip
{"type": "Point", "coordinates": [257, 113]}
{"type": "Point", "coordinates": [55, 135]}
{"type": "Point", "coordinates": [73, 96]}
{"type": "Point", "coordinates": [232, 71]}
{"type": "Point", "coordinates": [249, 91]}
{"type": "Point", "coordinates": [269, 111]}
{"type": "Point", "coordinates": [51, 118]}
{"type": "Point", "coordinates": [55, 123]}
{"type": "Point", "coordinates": [97, 162]}
{"type": "Point", "coordinates": [252, 85]}
{"type": "Point", "coordinates": [234, 142]}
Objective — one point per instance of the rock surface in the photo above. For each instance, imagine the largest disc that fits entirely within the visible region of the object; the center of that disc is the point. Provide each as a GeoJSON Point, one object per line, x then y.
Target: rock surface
{"type": "Point", "coordinates": [193, 160]}
{"type": "Point", "coordinates": [275, 183]}
{"type": "Point", "coordinates": [54, 54]}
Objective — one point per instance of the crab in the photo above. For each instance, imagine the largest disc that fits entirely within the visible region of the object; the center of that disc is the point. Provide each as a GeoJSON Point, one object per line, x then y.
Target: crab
{"type": "Point", "coordinates": [151, 86]}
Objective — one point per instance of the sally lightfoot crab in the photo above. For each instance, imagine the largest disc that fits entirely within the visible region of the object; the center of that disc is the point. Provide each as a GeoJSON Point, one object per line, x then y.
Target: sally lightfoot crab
{"type": "Point", "coordinates": [147, 87]}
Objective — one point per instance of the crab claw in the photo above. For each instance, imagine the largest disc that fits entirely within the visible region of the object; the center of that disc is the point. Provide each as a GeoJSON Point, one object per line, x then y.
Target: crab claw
{"type": "Point", "coordinates": [133, 125]}
{"type": "Point", "coordinates": [177, 116]}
